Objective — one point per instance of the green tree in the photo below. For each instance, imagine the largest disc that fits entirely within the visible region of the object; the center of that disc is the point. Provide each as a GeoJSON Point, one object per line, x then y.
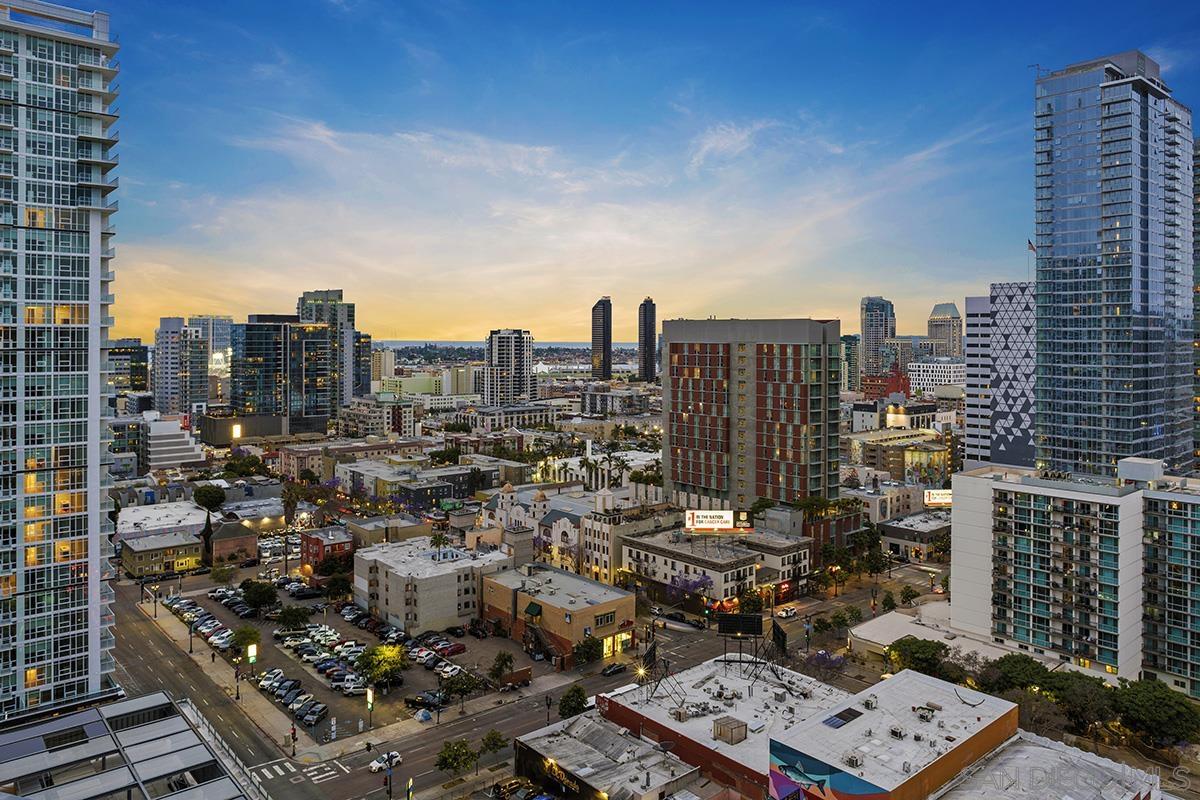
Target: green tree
{"type": "Point", "coordinates": [337, 587]}
{"type": "Point", "coordinates": [889, 601]}
{"type": "Point", "coordinates": [335, 564]}
{"type": "Point", "coordinates": [874, 562]}
{"type": "Point", "coordinates": [259, 594]}
{"type": "Point", "coordinates": [1037, 713]}
{"type": "Point", "coordinates": [1160, 714]}
{"type": "Point", "coordinates": [306, 475]}
{"type": "Point", "coordinates": [456, 757]}
{"type": "Point", "coordinates": [760, 505]}
{"type": "Point", "coordinates": [839, 621]}
{"type": "Point", "coordinates": [462, 686]}
{"type": "Point", "coordinates": [854, 615]}
{"type": "Point", "coordinates": [223, 575]}
{"type": "Point", "coordinates": [821, 625]}
{"type": "Point", "coordinates": [573, 702]}
{"type": "Point", "coordinates": [492, 742]}
{"type": "Point", "coordinates": [209, 497]}
{"type": "Point", "coordinates": [439, 540]}
{"type": "Point", "coordinates": [1085, 700]}
{"type": "Point", "coordinates": [293, 616]}
{"type": "Point", "coordinates": [750, 602]}
{"type": "Point", "coordinates": [923, 655]}
{"type": "Point", "coordinates": [502, 665]}
{"type": "Point", "coordinates": [448, 456]}
{"type": "Point", "coordinates": [945, 583]}
{"type": "Point", "coordinates": [245, 636]}
{"type": "Point", "coordinates": [382, 664]}
{"type": "Point", "coordinates": [1013, 671]}
{"type": "Point", "coordinates": [589, 650]}
{"type": "Point", "coordinates": [908, 594]}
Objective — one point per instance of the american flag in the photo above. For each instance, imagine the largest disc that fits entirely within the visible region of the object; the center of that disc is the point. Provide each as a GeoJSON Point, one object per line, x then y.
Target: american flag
{"type": "Point", "coordinates": [1029, 244]}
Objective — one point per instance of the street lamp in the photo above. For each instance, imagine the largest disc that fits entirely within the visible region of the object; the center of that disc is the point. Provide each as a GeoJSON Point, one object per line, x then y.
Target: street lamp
{"type": "Point", "coordinates": [191, 634]}
{"type": "Point", "coordinates": [237, 678]}
{"type": "Point", "coordinates": [549, 702]}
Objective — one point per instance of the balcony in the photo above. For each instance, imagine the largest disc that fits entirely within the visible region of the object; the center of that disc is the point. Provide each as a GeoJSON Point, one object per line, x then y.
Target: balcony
{"type": "Point", "coordinates": [98, 182]}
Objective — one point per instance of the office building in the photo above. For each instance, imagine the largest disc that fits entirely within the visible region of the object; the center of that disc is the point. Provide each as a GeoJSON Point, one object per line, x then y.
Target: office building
{"type": "Point", "coordinates": [215, 330]}
{"type": "Point", "coordinates": [877, 318]}
{"type": "Point", "coordinates": [129, 366]}
{"type": "Point", "coordinates": [851, 346]}
{"type": "Point", "coordinates": [602, 339]}
{"type": "Point", "coordinates": [1196, 304]}
{"type": "Point", "coordinates": [1000, 361]}
{"type": "Point", "coordinates": [927, 374]}
{"type": "Point", "coordinates": [383, 364]}
{"type": "Point", "coordinates": [362, 364]}
{"type": "Point", "coordinates": [647, 340]}
{"type": "Point", "coordinates": [1114, 190]}
{"type": "Point", "coordinates": [945, 329]}
{"type": "Point", "coordinates": [55, 636]}
{"type": "Point", "coordinates": [180, 367]}
{"type": "Point", "coordinates": [508, 376]}
{"type": "Point", "coordinates": [900, 351]}
{"type": "Point", "coordinates": [327, 306]}
{"type": "Point", "coordinates": [750, 410]}
{"type": "Point", "coordinates": [283, 368]}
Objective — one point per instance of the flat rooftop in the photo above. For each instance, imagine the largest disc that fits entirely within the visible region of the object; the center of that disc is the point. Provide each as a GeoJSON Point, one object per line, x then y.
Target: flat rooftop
{"type": "Point", "coordinates": [893, 436]}
{"type": "Point", "coordinates": [157, 541]}
{"type": "Point", "coordinates": [712, 548]}
{"type": "Point", "coordinates": [1031, 767]}
{"type": "Point", "coordinates": [133, 519]}
{"type": "Point", "coordinates": [896, 728]}
{"type": "Point", "coordinates": [557, 587]}
{"type": "Point", "coordinates": [771, 700]}
{"type": "Point", "coordinates": [333, 534]}
{"type": "Point", "coordinates": [1024, 476]}
{"type": "Point", "coordinates": [606, 756]}
{"type": "Point", "coordinates": [922, 521]}
{"type": "Point", "coordinates": [416, 557]}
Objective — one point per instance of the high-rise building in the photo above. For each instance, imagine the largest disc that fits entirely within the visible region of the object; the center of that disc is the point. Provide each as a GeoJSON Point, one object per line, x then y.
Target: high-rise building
{"type": "Point", "coordinates": [215, 329]}
{"type": "Point", "coordinates": [647, 340]}
{"type": "Point", "coordinates": [508, 368]}
{"type": "Point", "coordinates": [602, 339]}
{"type": "Point", "coordinates": [851, 346]}
{"type": "Point", "coordinates": [1115, 326]}
{"type": "Point", "coordinates": [281, 368]}
{"type": "Point", "coordinates": [129, 365]}
{"type": "Point", "coordinates": [750, 410]}
{"type": "Point", "coordinates": [945, 328]}
{"type": "Point", "coordinates": [327, 306]}
{"type": "Point", "coordinates": [362, 364]}
{"type": "Point", "coordinates": [1196, 303]}
{"type": "Point", "coordinates": [900, 351]}
{"type": "Point", "coordinates": [55, 602]}
{"type": "Point", "coordinates": [180, 367]}
{"type": "Point", "coordinates": [1000, 356]}
{"type": "Point", "coordinates": [925, 375]}
{"type": "Point", "coordinates": [877, 318]}
{"type": "Point", "coordinates": [383, 364]}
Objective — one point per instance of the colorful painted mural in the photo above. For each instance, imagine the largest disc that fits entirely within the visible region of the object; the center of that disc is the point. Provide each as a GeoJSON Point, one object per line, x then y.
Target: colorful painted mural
{"type": "Point", "coordinates": [795, 776]}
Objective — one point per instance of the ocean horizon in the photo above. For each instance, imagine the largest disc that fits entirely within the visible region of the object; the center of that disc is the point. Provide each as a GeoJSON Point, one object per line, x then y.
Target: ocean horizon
{"type": "Point", "coordinates": [456, 343]}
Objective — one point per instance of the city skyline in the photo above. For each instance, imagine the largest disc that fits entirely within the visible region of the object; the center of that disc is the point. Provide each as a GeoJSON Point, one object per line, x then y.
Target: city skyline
{"type": "Point", "coordinates": [622, 154]}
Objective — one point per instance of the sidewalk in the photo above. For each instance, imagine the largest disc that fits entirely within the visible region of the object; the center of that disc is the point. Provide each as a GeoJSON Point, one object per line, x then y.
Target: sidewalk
{"type": "Point", "coordinates": [277, 726]}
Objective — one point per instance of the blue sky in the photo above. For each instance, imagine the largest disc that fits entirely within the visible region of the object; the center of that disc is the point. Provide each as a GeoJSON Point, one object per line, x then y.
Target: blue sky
{"type": "Point", "coordinates": [458, 166]}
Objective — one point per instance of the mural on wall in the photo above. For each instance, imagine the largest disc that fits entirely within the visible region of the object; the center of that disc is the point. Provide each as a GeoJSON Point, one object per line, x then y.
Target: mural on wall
{"type": "Point", "coordinates": [795, 776]}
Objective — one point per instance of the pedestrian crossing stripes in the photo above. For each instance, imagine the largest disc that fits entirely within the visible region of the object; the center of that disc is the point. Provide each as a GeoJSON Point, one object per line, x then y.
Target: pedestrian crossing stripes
{"type": "Point", "coordinates": [272, 771]}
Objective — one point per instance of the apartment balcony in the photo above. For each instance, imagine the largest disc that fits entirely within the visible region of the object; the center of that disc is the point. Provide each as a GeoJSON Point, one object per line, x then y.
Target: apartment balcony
{"type": "Point", "coordinates": [105, 65]}
{"type": "Point", "coordinates": [100, 111]}
{"type": "Point", "coordinates": [99, 183]}
{"type": "Point", "coordinates": [98, 133]}
{"type": "Point", "coordinates": [99, 158]}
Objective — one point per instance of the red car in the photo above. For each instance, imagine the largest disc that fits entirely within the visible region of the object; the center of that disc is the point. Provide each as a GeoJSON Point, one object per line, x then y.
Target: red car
{"type": "Point", "coordinates": [452, 649]}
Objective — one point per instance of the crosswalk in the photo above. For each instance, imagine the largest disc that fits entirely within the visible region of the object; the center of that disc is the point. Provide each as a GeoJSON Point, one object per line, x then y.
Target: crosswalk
{"type": "Point", "coordinates": [314, 773]}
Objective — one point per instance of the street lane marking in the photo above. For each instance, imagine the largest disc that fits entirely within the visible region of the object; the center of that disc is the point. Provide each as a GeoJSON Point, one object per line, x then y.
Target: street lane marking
{"type": "Point", "coordinates": [290, 768]}
{"type": "Point", "coordinates": [278, 770]}
{"type": "Point", "coordinates": [343, 767]}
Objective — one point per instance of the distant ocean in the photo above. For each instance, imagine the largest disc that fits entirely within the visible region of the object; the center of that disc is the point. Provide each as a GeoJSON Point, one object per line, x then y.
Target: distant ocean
{"type": "Point", "coordinates": [450, 343]}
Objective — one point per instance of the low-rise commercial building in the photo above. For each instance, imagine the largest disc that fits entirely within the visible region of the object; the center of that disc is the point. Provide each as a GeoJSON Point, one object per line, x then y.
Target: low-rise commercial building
{"type": "Point", "coordinates": [910, 538]}
{"type": "Point", "coordinates": [161, 552]}
{"type": "Point", "coordinates": [320, 457]}
{"type": "Point", "coordinates": [146, 520]}
{"type": "Point", "coordinates": [605, 399]}
{"type": "Point", "coordinates": [319, 544]}
{"type": "Point", "coordinates": [551, 610]}
{"type": "Point", "coordinates": [418, 587]}
{"type": "Point", "coordinates": [928, 374]}
{"type": "Point", "coordinates": [498, 418]}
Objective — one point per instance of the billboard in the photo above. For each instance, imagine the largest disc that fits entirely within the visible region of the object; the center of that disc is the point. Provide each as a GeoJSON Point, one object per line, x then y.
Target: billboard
{"type": "Point", "coordinates": [709, 520]}
{"type": "Point", "coordinates": [938, 498]}
{"type": "Point", "coordinates": [739, 624]}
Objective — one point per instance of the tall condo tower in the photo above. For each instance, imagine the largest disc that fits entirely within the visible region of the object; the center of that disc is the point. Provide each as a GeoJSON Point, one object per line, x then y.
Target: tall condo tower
{"type": "Point", "coordinates": [647, 340]}
{"type": "Point", "coordinates": [602, 339]}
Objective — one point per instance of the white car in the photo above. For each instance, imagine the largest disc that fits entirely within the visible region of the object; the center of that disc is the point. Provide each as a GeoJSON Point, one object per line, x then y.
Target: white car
{"type": "Point", "coordinates": [352, 689]}
{"type": "Point", "coordinates": [269, 676]}
{"type": "Point", "coordinates": [315, 656]}
{"type": "Point", "coordinates": [786, 613]}
{"type": "Point", "coordinates": [392, 759]}
{"type": "Point", "coordinates": [448, 670]}
{"type": "Point", "coordinates": [299, 701]}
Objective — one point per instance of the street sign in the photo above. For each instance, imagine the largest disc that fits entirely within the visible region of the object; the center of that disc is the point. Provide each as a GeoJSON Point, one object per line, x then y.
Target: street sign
{"type": "Point", "coordinates": [370, 698]}
{"type": "Point", "coordinates": [252, 653]}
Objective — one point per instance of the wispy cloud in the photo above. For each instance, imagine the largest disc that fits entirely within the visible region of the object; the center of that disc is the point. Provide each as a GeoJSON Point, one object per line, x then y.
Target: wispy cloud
{"type": "Point", "coordinates": [723, 141]}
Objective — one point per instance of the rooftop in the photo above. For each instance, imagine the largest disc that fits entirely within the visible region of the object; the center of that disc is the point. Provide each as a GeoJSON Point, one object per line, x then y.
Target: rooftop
{"type": "Point", "coordinates": [418, 558]}
{"type": "Point", "coordinates": [771, 700]}
{"type": "Point", "coordinates": [893, 730]}
{"type": "Point", "coordinates": [558, 588]}
{"type": "Point", "coordinates": [894, 436]}
{"type": "Point", "coordinates": [133, 519]}
{"type": "Point", "coordinates": [1026, 763]}
{"type": "Point", "coordinates": [333, 534]}
{"type": "Point", "coordinates": [254, 508]}
{"type": "Point", "coordinates": [606, 756]}
{"type": "Point", "coordinates": [922, 521]}
{"type": "Point", "coordinates": [157, 541]}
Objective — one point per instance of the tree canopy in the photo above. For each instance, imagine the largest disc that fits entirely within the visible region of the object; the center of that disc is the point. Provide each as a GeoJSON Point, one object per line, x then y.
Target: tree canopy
{"type": "Point", "coordinates": [382, 664]}
{"type": "Point", "coordinates": [209, 497]}
{"type": "Point", "coordinates": [923, 655]}
{"type": "Point", "coordinates": [1153, 709]}
{"type": "Point", "coordinates": [573, 702]}
{"type": "Point", "coordinates": [259, 594]}
{"type": "Point", "coordinates": [589, 650]}
{"type": "Point", "coordinates": [293, 616]}
{"type": "Point", "coordinates": [502, 665]}
{"type": "Point", "coordinates": [456, 757]}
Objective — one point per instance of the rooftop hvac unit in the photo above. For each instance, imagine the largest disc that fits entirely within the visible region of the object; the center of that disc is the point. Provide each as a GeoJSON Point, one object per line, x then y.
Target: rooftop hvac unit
{"type": "Point", "coordinates": [853, 759]}
{"type": "Point", "coordinates": [925, 714]}
{"type": "Point", "coordinates": [871, 703]}
{"type": "Point", "coordinates": [897, 732]}
{"type": "Point", "coordinates": [679, 714]}
{"type": "Point", "coordinates": [779, 695]}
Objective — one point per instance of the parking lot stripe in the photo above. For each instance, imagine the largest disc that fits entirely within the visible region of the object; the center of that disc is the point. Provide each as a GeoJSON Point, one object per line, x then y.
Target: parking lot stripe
{"type": "Point", "coordinates": [290, 768]}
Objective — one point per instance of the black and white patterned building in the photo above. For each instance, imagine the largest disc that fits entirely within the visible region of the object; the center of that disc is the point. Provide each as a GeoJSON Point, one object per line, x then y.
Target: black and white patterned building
{"type": "Point", "coordinates": [1001, 332]}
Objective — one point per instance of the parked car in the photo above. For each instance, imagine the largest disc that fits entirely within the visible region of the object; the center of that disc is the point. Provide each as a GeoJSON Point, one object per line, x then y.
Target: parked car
{"type": "Point", "coordinates": [287, 699]}
{"type": "Point", "coordinates": [354, 689]}
{"type": "Point", "coordinates": [392, 759]}
{"type": "Point", "coordinates": [316, 714]}
{"type": "Point", "coordinates": [280, 635]}
{"type": "Point", "coordinates": [304, 709]}
{"type": "Point", "coordinates": [456, 630]}
{"type": "Point", "coordinates": [614, 668]}
{"type": "Point", "coordinates": [656, 611]}
{"type": "Point", "coordinates": [456, 648]}
{"type": "Point", "coordinates": [786, 613]}
{"type": "Point", "coordinates": [285, 687]}
{"type": "Point", "coordinates": [269, 676]}
{"type": "Point", "coordinates": [430, 700]}
{"type": "Point", "coordinates": [249, 562]}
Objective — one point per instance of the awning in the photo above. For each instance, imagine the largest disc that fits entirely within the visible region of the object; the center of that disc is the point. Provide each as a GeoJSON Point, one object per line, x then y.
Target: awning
{"type": "Point", "coordinates": [533, 610]}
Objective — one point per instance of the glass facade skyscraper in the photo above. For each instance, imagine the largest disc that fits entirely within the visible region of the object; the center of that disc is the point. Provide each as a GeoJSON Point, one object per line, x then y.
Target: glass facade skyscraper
{"type": "Point", "coordinates": [1114, 191]}
{"type": "Point", "coordinates": [56, 136]}
{"type": "Point", "coordinates": [283, 368]}
{"type": "Point", "coordinates": [877, 320]}
{"type": "Point", "coordinates": [647, 354]}
{"type": "Point", "coordinates": [602, 339]}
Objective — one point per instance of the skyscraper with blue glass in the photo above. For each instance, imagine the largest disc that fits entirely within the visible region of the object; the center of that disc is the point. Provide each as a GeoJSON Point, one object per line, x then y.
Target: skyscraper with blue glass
{"type": "Point", "coordinates": [1114, 267]}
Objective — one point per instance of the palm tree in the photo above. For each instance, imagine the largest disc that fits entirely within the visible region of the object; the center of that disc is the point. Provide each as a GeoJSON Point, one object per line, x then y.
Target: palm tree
{"type": "Point", "coordinates": [439, 540]}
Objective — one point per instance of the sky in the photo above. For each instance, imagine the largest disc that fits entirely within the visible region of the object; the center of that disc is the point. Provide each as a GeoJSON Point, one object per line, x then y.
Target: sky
{"type": "Point", "coordinates": [457, 167]}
